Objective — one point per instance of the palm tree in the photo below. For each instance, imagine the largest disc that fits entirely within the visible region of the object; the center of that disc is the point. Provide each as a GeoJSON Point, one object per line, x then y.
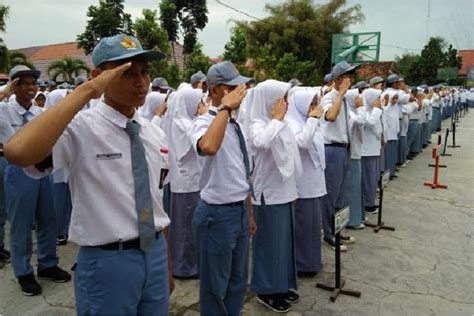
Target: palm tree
{"type": "Point", "coordinates": [18, 58]}
{"type": "Point", "coordinates": [68, 68]}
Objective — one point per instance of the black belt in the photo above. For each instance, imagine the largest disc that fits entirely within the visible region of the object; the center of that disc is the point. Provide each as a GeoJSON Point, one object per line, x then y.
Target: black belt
{"type": "Point", "coordinates": [129, 244]}
{"type": "Point", "coordinates": [342, 145]}
{"type": "Point", "coordinates": [239, 203]}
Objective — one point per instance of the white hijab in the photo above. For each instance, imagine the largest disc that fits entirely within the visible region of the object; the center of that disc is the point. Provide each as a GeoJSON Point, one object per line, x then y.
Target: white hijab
{"type": "Point", "coordinates": [182, 110]}
{"type": "Point", "coordinates": [152, 101]}
{"type": "Point", "coordinates": [284, 148]}
{"type": "Point", "coordinates": [54, 97]}
{"type": "Point", "coordinates": [297, 115]}
{"type": "Point", "coordinates": [369, 96]}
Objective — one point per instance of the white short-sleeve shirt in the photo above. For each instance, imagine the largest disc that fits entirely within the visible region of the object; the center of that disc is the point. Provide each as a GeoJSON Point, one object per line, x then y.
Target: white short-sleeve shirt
{"type": "Point", "coordinates": [223, 176]}
{"type": "Point", "coordinates": [96, 151]}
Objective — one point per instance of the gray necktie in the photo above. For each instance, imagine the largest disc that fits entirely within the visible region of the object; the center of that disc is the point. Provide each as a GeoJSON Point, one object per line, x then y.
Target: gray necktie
{"type": "Point", "coordinates": [146, 224]}
{"type": "Point", "coordinates": [25, 117]}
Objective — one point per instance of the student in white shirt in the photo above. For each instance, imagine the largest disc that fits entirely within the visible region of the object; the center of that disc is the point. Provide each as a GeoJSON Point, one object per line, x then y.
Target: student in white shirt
{"type": "Point", "coordinates": [371, 145]}
{"type": "Point", "coordinates": [303, 117]}
{"type": "Point", "coordinates": [336, 133]}
{"type": "Point", "coordinates": [114, 160]}
{"type": "Point", "coordinates": [185, 172]}
{"type": "Point", "coordinates": [221, 222]}
{"type": "Point", "coordinates": [277, 166]}
{"type": "Point", "coordinates": [29, 201]}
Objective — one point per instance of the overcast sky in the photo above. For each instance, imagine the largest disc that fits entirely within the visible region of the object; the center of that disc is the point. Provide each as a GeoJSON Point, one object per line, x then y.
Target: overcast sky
{"type": "Point", "coordinates": [403, 23]}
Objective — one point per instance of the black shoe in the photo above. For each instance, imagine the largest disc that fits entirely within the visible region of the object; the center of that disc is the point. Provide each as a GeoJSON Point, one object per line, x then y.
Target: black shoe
{"type": "Point", "coordinates": [332, 244]}
{"type": "Point", "coordinates": [61, 240]}
{"type": "Point", "coordinates": [28, 284]}
{"type": "Point", "coordinates": [4, 255]}
{"type": "Point", "coordinates": [393, 177]}
{"type": "Point", "coordinates": [307, 274]}
{"type": "Point", "coordinates": [397, 170]}
{"type": "Point", "coordinates": [55, 274]}
{"type": "Point", "coordinates": [371, 209]}
{"type": "Point", "coordinates": [275, 302]}
{"type": "Point", "coordinates": [291, 297]}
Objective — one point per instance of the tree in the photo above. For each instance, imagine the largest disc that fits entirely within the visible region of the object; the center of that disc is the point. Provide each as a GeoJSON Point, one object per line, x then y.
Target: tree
{"type": "Point", "coordinates": [408, 64]}
{"type": "Point", "coordinates": [68, 68]}
{"type": "Point", "coordinates": [303, 29]}
{"type": "Point", "coordinates": [18, 58]}
{"type": "Point", "coordinates": [183, 17]}
{"type": "Point", "coordinates": [236, 48]}
{"type": "Point", "coordinates": [4, 11]}
{"type": "Point", "coordinates": [196, 61]}
{"type": "Point", "coordinates": [106, 19]}
{"type": "Point", "coordinates": [152, 36]}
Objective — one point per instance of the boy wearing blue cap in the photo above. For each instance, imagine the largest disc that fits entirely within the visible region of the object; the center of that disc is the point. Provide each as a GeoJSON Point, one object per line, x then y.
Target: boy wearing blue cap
{"type": "Point", "coordinates": [29, 201]}
{"type": "Point", "coordinates": [114, 162]}
{"type": "Point", "coordinates": [221, 222]}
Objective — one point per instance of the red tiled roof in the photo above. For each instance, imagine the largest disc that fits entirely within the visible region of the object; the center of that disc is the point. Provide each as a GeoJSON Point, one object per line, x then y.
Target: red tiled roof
{"type": "Point", "coordinates": [467, 61]}
{"type": "Point", "coordinates": [382, 69]}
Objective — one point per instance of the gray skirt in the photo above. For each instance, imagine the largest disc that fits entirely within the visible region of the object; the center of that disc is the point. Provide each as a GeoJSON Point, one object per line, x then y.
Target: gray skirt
{"type": "Point", "coordinates": [308, 234]}
{"type": "Point", "coordinates": [183, 244]}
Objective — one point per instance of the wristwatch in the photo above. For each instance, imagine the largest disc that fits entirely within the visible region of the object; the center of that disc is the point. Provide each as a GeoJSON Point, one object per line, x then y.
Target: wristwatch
{"type": "Point", "coordinates": [225, 107]}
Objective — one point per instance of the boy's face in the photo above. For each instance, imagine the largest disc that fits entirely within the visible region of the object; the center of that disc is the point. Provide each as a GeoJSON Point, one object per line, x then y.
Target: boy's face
{"type": "Point", "coordinates": [131, 88]}
{"type": "Point", "coordinates": [26, 88]}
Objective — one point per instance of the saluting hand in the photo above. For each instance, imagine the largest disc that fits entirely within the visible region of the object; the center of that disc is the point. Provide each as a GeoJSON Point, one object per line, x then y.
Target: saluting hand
{"type": "Point", "coordinates": [161, 109]}
{"type": "Point", "coordinates": [235, 97]}
{"type": "Point", "coordinates": [315, 111]}
{"type": "Point", "coordinates": [99, 83]}
{"type": "Point", "coordinates": [345, 85]}
{"type": "Point", "coordinates": [377, 103]}
{"type": "Point", "coordinates": [279, 109]}
{"type": "Point", "coordinates": [394, 99]}
{"type": "Point", "coordinates": [358, 102]}
{"type": "Point", "coordinates": [8, 91]}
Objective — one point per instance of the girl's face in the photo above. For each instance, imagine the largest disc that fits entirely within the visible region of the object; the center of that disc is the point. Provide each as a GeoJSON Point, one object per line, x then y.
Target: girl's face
{"type": "Point", "coordinates": [40, 100]}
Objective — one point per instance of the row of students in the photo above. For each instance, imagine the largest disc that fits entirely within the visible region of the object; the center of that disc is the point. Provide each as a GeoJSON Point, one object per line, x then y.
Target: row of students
{"type": "Point", "coordinates": [221, 171]}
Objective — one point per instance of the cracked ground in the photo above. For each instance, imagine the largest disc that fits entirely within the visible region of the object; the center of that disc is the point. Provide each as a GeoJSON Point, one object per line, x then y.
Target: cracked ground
{"type": "Point", "coordinates": [425, 267]}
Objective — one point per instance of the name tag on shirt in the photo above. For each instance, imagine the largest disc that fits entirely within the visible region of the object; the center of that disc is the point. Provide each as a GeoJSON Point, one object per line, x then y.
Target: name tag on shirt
{"type": "Point", "coordinates": [108, 156]}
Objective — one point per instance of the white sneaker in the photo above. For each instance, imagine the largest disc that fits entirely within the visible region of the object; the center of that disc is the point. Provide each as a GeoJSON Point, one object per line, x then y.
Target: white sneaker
{"type": "Point", "coordinates": [348, 239]}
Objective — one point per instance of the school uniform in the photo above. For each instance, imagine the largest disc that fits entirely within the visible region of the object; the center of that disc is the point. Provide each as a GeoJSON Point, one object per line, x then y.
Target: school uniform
{"type": "Point", "coordinates": [185, 172]}
{"type": "Point", "coordinates": [311, 186]}
{"type": "Point", "coordinates": [6, 131]}
{"type": "Point", "coordinates": [391, 125]}
{"type": "Point", "coordinates": [28, 202]}
{"type": "Point", "coordinates": [116, 273]}
{"type": "Point", "coordinates": [425, 136]}
{"type": "Point", "coordinates": [220, 222]}
{"type": "Point", "coordinates": [277, 166]}
{"type": "Point", "coordinates": [152, 101]}
{"type": "Point", "coordinates": [436, 103]}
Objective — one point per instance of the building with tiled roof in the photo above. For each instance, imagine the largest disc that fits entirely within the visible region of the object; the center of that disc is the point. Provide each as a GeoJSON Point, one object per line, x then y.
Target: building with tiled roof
{"type": "Point", "coordinates": [43, 56]}
{"type": "Point", "coordinates": [381, 69]}
{"type": "Point", "coordinates": [467, 61]}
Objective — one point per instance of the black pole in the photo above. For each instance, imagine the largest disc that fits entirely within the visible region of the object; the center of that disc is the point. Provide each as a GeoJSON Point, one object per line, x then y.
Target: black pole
{"type": "Point", "coordinates": [445, 143]}
{"type": "Point", "coordinates": [338, 260]}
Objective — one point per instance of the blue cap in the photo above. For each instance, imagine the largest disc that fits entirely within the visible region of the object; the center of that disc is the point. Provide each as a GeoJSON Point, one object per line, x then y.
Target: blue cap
{"type": "Point", "coordinates": [121, 47]}
{"type": "Point", "coordinates": [51, 83]}
{"type": "Point", "coordinates": [394, 78]}
{"type": "Point", "coordinates": [295, 83]}
{"type": "Point", "coordinates": [198, 76]}
{"type": "Point", "coordinates": [341, 68]}
{"type": "Point", "coordinates": [327, 77]}
{"type": "Point", "coordinates": [41, 83]}
{"type": "Point", "coordinates": [160, 82]}
{"type": "Point", "coordinates": [376, 80]}
{"type": "Point", "coordinates": [360, 85]}
{"type": "Point", "coordinates": [79, 80]}
{"type": "Point", "coordinates": [225, 73]}
{"type": "Point", "coordinates": [22, 70]}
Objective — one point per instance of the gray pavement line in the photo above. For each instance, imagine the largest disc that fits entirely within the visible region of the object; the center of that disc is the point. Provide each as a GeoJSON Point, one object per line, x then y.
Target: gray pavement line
{"type": "Point", "coordinates": [409, 292]}
{"type": "Point", "coordinates": [56, 305]}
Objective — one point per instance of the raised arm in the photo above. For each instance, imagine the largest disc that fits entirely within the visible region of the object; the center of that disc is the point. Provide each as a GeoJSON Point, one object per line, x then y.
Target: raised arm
{"type": "Point", "coordinates": [333, 112]}
{"type": "Point", "coordinates": [35, 141]}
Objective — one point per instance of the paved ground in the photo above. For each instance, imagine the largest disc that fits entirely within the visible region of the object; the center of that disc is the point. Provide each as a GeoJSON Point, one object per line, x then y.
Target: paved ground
{"type": "Point", "coordinates": [425, 267]}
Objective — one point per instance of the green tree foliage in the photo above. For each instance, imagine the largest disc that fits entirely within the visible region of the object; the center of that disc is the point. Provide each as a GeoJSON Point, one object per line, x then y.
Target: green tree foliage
{"type": "Point", "coordinates": [18, 58]}
{"type": "Point", "coordinates": [236, 48]}
{"type": "Point", "coordinates": [106, 19]}
{"type": "Point", "coordinates": [4, 11]}
{"type": "Point", "coordinates": [183, 17]}
{"type": "Point", "coordinates": [423, 68]}
{"type": "Point", "coordinates": [68, 68]}
{"type": "Point", "coordinates": [196, 61]}
{"type": "Point", "coordinates": [152, 36]}
{"type": "Point", "coordinates": [302, 29]}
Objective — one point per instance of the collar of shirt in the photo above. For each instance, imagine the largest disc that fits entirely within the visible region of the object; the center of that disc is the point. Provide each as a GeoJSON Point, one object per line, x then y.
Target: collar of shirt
{"type": "Point", "coordinates": [35, 110]}
{"type": "Point", "coordinates": [213, 108]}
{"type": "Point", "coordinates": [115, 116]}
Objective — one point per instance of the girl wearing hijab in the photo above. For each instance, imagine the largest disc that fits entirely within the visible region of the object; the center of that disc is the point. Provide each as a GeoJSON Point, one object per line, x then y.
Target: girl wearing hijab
{"type": "Point", "coordinates": [371, 148]}
{"type": "Point", "coordinates": [185, 173]}
{"type": "Point", "coordinates": [40, 99]}
{"type": "Point", "coordinates": [277, 166]}
{"type": "Point", "coordinates": [152, 101]}
{"type": "Point", "coordinates": [303, 119]}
